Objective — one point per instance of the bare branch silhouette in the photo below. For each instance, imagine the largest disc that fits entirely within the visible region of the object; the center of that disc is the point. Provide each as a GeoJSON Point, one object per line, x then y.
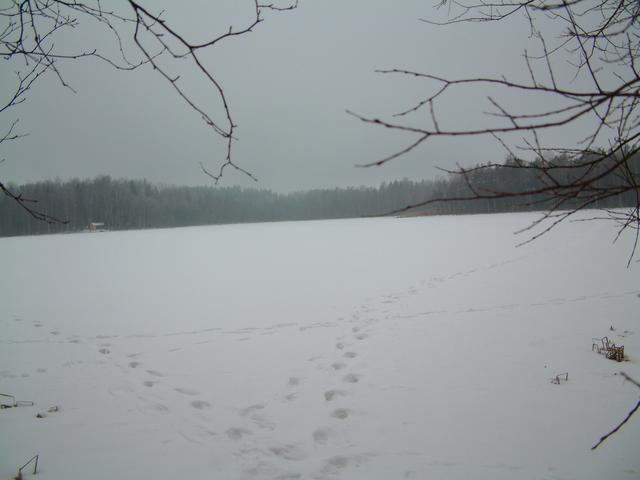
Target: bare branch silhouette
{"type": "Point", "coordinates": [600, 40]}
{"type": "Point", "coordinates": [29, 30]}
{"type": "Point", "coordinates": [625, 420]}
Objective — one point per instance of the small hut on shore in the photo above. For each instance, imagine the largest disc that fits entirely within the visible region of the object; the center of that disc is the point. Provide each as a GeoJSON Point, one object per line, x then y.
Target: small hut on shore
{"type": "Point", "coordinates": [96, 226]}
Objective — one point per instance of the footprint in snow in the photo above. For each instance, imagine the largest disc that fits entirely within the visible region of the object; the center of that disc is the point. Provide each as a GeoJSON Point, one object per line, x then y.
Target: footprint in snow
{"type": "Point", "coordinates": [149, 383]}
{"type": "Point", "coordinates": [134, 364]}
{"type": "Point", "coordinates": [329, 395]}
{"type": "Point", "coordinates": [335, 465]}
{"type": "Point", "coordinates": [341, 413]}
{"type": "Point", "coordinates": [104, 351]}
{"type": "Point", "coordinates": [200, 404]}
{"type": "Point", "coordinates": [155, 373]}
{"type": "Point", "coordinates": [350, 354]}
{"type": "Point", "coordinates": [288, 452]}
{"type": "Point", "coordinates": [251, 409]}
{"type": "Point", "coordinates": [237, 433]}
{"type": "Point", "coordinates": [352, 378]}
{"type": "Point", "coordinates": [338, 365]}
{"type": "Point", "coordinates": [322, 435]}
{"type": "Point", "coordinates": [293, 381]}
{"type": "Point", "coordinates": [262, 422]}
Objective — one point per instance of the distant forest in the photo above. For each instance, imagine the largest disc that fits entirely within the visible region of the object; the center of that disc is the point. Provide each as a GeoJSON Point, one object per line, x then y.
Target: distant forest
{"type": "Point", "coordinates": [133, 204]}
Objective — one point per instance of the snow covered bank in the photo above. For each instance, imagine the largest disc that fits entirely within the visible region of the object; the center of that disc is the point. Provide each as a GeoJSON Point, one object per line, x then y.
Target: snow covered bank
{"type": "Point", "coordinates": [358, 349]}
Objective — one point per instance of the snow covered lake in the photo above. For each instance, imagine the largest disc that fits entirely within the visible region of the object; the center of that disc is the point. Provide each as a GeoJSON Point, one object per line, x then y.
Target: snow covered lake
{"type": "Point", "coordinates": [352, 349]}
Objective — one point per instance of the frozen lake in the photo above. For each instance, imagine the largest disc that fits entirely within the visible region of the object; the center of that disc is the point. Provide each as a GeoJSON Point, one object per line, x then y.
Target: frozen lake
{"type": "Point", "coordinates": [350, 349]}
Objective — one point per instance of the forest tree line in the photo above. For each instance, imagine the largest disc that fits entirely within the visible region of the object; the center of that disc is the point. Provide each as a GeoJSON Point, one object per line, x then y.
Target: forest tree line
{"type": "Point", "coordinates": [133, 204]}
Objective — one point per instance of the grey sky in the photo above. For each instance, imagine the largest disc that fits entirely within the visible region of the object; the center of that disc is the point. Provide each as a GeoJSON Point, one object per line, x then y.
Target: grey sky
{"type": "Point", "coordinates": [288, 85]}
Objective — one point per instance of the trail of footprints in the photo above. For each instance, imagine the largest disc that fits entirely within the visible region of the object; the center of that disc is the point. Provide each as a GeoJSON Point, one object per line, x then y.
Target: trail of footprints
{"type": "Point", "coordinates": [153, 378]}
{"type": "Point", "coordinates": [336, 395]}
{"type": "Point", "coordinates": [343, 380]}
{"type": "Point", "coordinates": [321, 436]}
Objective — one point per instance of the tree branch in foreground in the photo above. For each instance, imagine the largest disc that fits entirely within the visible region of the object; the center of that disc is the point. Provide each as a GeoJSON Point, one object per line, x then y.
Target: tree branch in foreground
{"type": "Point", "coordinates": [599, 41]}
{"type": "Point", "coordinates": [626, 419]}
{"type": "Point", "coordinates": [30, 38]}
{"type": "Point", "coordinates": [25, 205]}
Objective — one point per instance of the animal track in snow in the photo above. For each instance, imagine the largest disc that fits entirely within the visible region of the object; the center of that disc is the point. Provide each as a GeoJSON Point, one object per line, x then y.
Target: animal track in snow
{"type": "Point", "coordinates": [338, 365]}
{"type": "Point", "coordinates": [361, 336]}
{"type": "Point", "coordinates": [262, 422]}
{"type": "Point", "coordinates": [341, 413]}
{"type": "Point", "coordinates": [340, 345]}
{"type": "Point", "coordinates": [352, 378]}
{"type": "Point", "coordinates": [200, 404]}
{"type": "Point", "coordinates": [134, 364]}
{"type": "Point", "coordinates": [350, 354]}
{"type": "Point", "coordinates": [237, 433]}
{"type": "Point", "coordinates": [335, 465]}
{"type": "Point", "coordinates": [251, 409]}
{"type": "Point", "coordinates": [322, 435]}
{"type": "Point", "coordinates": [71, 363]}
{"type": "Point", "coordinates": [288, 452]}
{"type": "Point", "coordinates": [149, 383]}
{"type": "Point", "coordinates": [331, 394]}
{"type": "Point", "coordinates": [104, 351]}
{"type": "Point", "coordinates": [155, 373]}
{"type": "Point", "coordinates": [293, 381]}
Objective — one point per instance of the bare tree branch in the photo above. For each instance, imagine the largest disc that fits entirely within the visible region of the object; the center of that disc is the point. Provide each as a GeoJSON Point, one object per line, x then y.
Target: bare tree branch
{"type": "Point", "coordinates": [29, 30]}
{"type": "Point", "coordinates": [625, 420]}
{"type": "Point", "coordinates": [600, 40]}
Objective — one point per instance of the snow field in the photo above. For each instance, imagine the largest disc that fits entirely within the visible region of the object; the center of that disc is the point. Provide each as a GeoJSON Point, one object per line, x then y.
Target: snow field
{"type": "Point", "coordinates": [359, 349]}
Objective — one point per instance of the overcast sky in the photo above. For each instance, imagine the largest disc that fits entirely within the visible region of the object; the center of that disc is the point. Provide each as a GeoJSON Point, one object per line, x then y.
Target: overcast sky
{"type": "Point", "coordinates": [288, 84]}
